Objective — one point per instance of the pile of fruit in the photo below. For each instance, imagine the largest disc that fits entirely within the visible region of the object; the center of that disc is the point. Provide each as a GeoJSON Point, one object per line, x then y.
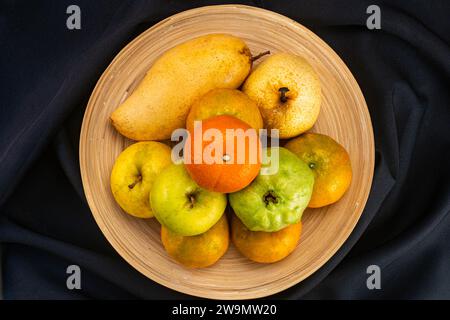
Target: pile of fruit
{"type": "Point", "coordinates": [208, 83]}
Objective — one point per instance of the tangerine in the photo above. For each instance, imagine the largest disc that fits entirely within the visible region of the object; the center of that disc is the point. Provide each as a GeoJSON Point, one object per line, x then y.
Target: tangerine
{"type": "Point", "coordinates": [223, 154]}
{"type": "Point", "coordinates": [330, 163]}
{"type": "Point", "coordinates": [265, 247]}
{"type": "Point", "coordinates": [198, 251]}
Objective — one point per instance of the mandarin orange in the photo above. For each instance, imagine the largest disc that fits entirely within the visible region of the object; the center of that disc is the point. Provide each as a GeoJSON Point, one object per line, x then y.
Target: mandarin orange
{"type": "Point", "coordinates": [330, 163]}
{"type": "Point", "coordinates": [265, 247]}
{"type": "Point", "coordinates": [198, 251]}
{"type": "Point", "coordinates": [223, 154]}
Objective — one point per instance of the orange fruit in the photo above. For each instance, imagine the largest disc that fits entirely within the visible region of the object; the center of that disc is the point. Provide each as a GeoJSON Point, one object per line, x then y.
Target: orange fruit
{"type": "Point", "coordinates": [198, 251]}
{"type": "Point", "coordinates": [330, 163]}
{"type": "Point", "coordinates": [228, 159]}
{"type": "Point", "coordinates": [265, 247]}
{"type": "Point", "coordinates": [230, 102]}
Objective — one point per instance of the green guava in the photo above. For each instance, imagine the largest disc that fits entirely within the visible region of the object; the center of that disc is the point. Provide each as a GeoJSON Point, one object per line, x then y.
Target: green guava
{"type": "Point", "coordinates": [274, 201]}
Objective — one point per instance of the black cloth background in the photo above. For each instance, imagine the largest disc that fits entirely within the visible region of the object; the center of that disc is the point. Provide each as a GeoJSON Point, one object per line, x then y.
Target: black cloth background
{"type": "Point", "coordinates": [48, 73]}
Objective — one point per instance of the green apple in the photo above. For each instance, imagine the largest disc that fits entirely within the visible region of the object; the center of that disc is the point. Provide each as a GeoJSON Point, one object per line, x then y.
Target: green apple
{"type": "Point", "coordinates": [133, 174]}
{"type": "Point", "coordinates": [272, 202]}
{"type": "Point", "coordinates": [181, 205]}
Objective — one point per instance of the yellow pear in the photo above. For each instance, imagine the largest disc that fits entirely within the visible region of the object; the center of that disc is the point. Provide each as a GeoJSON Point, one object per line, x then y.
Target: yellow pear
{"type": "Point", "coordinates": [287, 91]}
{"type": "Point", "coordinates": [161, 102]}
{"type": "Point", "coordinates": [133, 174]}
{"type": "Point", "coordinates": [229, 102]}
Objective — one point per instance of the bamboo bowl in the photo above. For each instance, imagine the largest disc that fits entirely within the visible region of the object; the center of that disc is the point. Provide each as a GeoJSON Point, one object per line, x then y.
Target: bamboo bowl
{"type": "Point", "coordinates": [344, 116]}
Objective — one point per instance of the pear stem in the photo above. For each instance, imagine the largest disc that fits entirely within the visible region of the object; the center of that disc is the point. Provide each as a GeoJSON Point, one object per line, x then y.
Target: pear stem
{"type": "Point", "coordinates": [262, 54]}
{"type": "Point", "coordinates": [283, 91]}
{"type": "Point", "coordinates": [138, 179]}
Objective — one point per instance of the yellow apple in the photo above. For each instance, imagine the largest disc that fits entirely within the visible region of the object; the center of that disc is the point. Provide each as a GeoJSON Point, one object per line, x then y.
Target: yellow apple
{"type": "Point", "coordinates": [133, 174]}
